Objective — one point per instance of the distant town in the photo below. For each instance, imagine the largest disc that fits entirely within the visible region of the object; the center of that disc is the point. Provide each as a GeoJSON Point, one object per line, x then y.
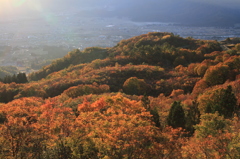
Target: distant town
{"type": "Point", "coordinates": [27, 42]}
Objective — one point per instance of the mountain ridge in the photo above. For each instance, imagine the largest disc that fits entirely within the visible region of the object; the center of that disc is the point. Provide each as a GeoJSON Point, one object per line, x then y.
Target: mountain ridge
{"type": "Point", "coordinates": [126, 102]}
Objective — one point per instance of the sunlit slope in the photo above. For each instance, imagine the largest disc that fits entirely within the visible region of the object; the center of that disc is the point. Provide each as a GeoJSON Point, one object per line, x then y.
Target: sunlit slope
{"type": "Point", "coordinates": [156, 95]}
{"type": "Point", "coordinates": [165, 61]}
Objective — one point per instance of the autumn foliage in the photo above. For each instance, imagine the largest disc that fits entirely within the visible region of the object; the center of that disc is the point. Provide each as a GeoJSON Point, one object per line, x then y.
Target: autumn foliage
{"type": "Point", "coordinates": [156, 95]}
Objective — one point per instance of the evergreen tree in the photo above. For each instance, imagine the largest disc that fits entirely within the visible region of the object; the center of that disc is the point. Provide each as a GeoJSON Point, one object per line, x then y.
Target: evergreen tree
{"type": "Point", "coordinates": [22, 78]}
{"type": "Point", "coordinates": [14, 78]}
{"type": "Point", "coordinates": [155, 116]}
{"type": "Point", "coordinates": [192, 117]}
{"type": "Point", "coordinates": [176, 117]}
{"type": "Point", "coordinates": [7, 79]}
{"type": "Point", "coordinates": [228, 102]}
{"type": "Point", "coordinates": [19, 78]}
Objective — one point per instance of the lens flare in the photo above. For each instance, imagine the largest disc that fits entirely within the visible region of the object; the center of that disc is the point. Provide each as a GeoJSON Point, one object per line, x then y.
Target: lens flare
{"type": "Point", "coordinates": [18, 3]}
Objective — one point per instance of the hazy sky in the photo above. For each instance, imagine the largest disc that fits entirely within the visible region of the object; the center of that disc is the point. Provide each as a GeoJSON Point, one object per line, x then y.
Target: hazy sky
{"type": "Point", "coordinates": [11, 5]}
{"type": "Point", "coordinates": [226, 3]}
{"type": "Point", "coordinates": [16, 7]}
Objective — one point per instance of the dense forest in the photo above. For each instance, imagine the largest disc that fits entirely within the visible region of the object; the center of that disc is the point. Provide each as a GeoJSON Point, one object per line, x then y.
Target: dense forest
{"type": "Point", "coordinates": [156, 95]}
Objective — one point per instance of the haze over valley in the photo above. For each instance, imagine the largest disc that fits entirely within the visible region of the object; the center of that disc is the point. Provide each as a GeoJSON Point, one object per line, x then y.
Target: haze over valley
{"type": "Point", "coordinates": [35, 32]}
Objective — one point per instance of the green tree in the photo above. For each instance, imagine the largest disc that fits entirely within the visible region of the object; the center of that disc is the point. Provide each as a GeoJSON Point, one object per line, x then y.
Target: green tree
{"type": "Point", "coordinates": [221, 100]}
{"type": "Point", "coordinates": [22, 78]}
{"type": "Point", "coordinates": [136, 86]}
{"type": "Point", "coordinates": [211, 124]}
{"type": "Point", "coordinates": [176, 117]}
{"type": "Point", "coordinates": [153, 111]}
{"type": "Point", "coordinates": [228, 102]}
{"type": "Point", "coordinates": [7, 79]}
{"type": "Point", "coordinates": [232, 52]}
{"type": "Point", "coordinates": [192, 117]}
{"type": "Point", "coordinates": [14, 78]}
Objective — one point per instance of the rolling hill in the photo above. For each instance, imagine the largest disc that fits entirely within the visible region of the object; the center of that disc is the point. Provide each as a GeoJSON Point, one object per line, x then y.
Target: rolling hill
{"type": "Point", "coordinates": [152, 95]}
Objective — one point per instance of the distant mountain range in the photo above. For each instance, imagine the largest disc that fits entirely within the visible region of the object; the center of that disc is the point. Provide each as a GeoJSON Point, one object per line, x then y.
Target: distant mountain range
{"type": "Point", "coordinates": [192, 13]}
{"type": "Point", "coordinates": [185, 12]}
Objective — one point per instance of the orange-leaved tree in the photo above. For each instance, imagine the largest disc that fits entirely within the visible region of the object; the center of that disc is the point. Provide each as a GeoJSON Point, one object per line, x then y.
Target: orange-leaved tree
{"type": "Point", "coordinates": [20, 133]}
{"type": "Point", "coordinates": [115, 127]}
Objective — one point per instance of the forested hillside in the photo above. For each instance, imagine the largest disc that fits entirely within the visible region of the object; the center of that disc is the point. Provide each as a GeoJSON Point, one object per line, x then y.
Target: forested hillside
{"type": "Point", "coordinates": [156, 95]}
{"type": "Point", "coordinates": [7, 71]}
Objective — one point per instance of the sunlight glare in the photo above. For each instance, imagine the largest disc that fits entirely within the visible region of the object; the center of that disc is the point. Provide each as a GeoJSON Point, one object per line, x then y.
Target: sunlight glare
{"type": "Point", "coordinates": [18, 3]}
